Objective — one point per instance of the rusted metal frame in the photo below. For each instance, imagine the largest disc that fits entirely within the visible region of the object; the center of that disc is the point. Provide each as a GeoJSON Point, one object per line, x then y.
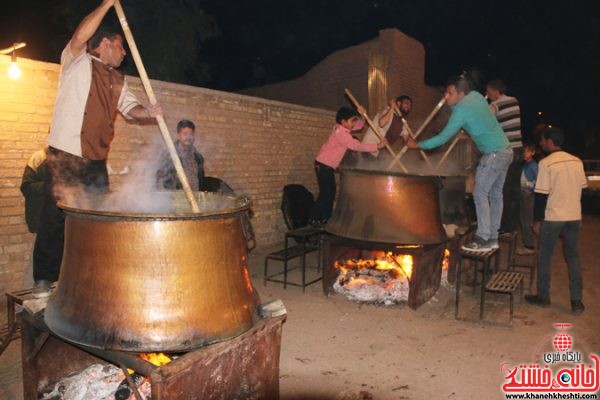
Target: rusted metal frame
{"type": "Point", "coordinates": [11, 323]}
{"type": "Point", "coordinates": [40, 341]}
{"type": "Point", "coordinates": [12, 327]}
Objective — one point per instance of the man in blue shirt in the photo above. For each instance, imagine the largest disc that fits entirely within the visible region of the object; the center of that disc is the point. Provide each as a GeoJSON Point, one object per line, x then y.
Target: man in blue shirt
{"type": "Point", "coordinates": [471, 112]}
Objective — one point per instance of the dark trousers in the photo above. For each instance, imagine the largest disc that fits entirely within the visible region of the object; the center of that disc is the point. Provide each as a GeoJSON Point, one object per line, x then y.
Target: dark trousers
{"type": "Point", "coordinates": [65, 172]}
{"type": "Point", "coordinates": [511, 193]}
{"type": "Point", "coordinates": [526, 215]}
{"type": "Point", "coordinates": [549, 234]}
{"type": "Point", "coordinates": [321, 211]}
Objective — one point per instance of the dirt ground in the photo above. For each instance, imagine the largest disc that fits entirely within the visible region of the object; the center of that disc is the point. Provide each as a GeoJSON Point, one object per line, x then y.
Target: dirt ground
{"type": "Point", "coordinates": [336, 349]}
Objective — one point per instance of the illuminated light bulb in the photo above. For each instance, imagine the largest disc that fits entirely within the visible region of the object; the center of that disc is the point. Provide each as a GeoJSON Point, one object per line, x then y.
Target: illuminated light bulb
{"type": "Point", "coordinates": [13, 71]}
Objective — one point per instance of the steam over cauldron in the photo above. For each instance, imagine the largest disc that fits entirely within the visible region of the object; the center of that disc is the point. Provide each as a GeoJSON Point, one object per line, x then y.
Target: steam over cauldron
{"type": "Point", "coordinates": [144, 282]}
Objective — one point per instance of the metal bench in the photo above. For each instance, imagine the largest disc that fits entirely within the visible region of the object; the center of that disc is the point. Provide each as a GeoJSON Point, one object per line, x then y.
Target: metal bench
{"type": "Point", "coordinates": [505, 282]}
{"type": "Point", "coordinates": [308, 239]}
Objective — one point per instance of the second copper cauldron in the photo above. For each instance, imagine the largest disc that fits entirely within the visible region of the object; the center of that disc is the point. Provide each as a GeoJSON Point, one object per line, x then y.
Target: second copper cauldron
{"type": "Point", "coordinates": [146, 282]}
{"type": "Point", "coordinates": [388, 208]}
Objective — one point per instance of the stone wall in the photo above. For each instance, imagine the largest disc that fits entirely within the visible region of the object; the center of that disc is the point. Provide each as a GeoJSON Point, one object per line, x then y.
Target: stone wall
{"type": "Point", "coordinates": [257, 146]}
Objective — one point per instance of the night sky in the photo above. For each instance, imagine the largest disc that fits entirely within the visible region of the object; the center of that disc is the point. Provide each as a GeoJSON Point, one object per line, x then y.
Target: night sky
{"type": "Point", "coordinates": [548, 52]}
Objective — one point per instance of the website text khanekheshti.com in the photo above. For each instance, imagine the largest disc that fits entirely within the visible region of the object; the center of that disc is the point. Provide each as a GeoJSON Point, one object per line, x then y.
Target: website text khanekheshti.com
{"type": "Point", "coordinates": [551, 396]}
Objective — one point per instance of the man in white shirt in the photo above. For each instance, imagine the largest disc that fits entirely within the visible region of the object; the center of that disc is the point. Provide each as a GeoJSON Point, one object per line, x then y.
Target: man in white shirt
{"type": "Point", "coordinates": [560, 181]}
{"type": "Point", "coordinates": [391, 125]}
{"type": "Point", "coordinates": [89, 95]}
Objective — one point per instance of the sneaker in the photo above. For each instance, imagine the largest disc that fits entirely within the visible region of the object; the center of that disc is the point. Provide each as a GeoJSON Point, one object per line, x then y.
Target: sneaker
{"type": "Point", "coordinates": [577, 307]}
{"type": "Point", "coordinates": [493, 244]}
{"type": "Point", "coordinates": [524, 251]}
{"type": "Point", "coordinates": [477, 245]}
{"type": "Point", "coordinates": [537, 300]}
{"type": "Point", "coordinates": [41, 289]}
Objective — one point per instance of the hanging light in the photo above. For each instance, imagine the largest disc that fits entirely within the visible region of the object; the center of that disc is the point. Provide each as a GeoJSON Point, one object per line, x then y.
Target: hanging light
{"type": "Point", "coordinates": [13, 71]}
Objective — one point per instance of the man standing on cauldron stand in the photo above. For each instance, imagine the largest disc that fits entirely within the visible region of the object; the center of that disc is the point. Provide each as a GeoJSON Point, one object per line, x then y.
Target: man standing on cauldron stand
{"type": "Point", "coordinates": [470, 111]}
{"type": "Point", "coordinates": [329, 157]}
{"type": "Point", "coordinates": [507, 112]}
{"type": "Point", "coordinates": [90, 92]}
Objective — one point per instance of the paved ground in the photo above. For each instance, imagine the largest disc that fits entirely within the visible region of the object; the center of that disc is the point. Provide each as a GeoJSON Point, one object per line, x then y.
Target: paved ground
{"type": "Point", "coordinates": [337, 349]}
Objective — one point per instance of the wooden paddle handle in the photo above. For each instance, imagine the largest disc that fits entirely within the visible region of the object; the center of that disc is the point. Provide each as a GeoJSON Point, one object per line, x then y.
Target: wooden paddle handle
{"type": "Point", "coordinates": [159, 118]}
{"type": "Point", "coordinates": [432, 114]}
{"type": "Point", "coordinates": [456, 139]}
{"type": "Point", "coordinates": [371, 124]}
{"type": "Point", "coordinates": [410, 132]}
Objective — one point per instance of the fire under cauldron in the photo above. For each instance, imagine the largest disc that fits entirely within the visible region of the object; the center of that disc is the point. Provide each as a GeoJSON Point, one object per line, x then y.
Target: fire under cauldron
{"type": "Point", "coordinates": [398, 213]}
{"type": "Point", "coordinates": [162, 281]}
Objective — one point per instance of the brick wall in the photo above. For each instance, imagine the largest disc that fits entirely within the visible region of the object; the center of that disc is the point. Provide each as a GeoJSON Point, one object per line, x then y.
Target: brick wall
{"type": "Point", "coordinates": [403, 60]}
{"type": "Point", "coordinates": [257, 146]}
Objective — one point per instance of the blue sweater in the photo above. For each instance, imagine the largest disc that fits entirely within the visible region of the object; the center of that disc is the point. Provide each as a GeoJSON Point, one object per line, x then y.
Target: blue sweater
{"type": "Point", "coordinates": [472, 114]}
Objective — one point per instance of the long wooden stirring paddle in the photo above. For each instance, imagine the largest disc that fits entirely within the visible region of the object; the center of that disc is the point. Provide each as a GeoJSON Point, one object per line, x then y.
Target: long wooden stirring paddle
{"type": "Point", "coordinates": [159, 118]}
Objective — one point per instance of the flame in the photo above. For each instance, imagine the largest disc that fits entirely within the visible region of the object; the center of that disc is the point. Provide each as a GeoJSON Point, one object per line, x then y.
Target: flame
{"type": "Point", "coordinates": [157, 359]}
{"type": "Point", "coordinates": [401, 264]}
{"type": "Point", "coordinates": [446, 261]}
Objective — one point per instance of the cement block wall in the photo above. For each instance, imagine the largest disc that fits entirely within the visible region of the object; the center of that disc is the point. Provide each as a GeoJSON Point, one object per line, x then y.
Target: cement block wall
{"type": "Point", "coordinates": [257, 146]}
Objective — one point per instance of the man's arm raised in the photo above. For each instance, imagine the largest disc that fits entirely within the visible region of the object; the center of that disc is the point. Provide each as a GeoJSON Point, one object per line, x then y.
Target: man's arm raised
{"type": "Point", "coordinates": [88, 27]}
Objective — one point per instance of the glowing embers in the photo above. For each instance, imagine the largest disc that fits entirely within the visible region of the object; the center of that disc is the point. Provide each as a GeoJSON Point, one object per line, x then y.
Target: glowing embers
{"type": "Point", "coordinates": [384, 278]}
{"type": "Point", "coordinates": [157, 359]}
{"type": "Point", "coordinates": [104, 381]}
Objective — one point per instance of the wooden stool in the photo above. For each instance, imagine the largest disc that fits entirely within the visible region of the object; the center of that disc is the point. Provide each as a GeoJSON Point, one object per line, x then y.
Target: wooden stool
{"type": "Point", "coordinates": [519, 261]}
{"type": "Point", "coordinates": [504, 283]}
{"type": "Point", "coordinates": [483, 258]}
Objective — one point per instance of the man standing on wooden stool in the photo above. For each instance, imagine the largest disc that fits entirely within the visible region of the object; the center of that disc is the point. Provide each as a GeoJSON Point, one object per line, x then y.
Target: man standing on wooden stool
{"type": "Point", "coordinates": [90, 93]}
{"type": "Point", "coordinates": [558, 206]}
{"type": "Point", "coordinates": [471, 112]}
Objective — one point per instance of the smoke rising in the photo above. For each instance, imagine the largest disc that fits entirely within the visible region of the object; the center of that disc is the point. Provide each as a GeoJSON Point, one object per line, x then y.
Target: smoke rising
{"type": "Point", "coordinates": [134, 193]}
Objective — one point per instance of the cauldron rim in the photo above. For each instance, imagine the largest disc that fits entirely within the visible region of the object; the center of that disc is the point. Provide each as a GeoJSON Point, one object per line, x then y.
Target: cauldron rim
{"type": "Point", "coordinates": [396, 173]}
{"type": "Point", "coordinates": [241, 204]}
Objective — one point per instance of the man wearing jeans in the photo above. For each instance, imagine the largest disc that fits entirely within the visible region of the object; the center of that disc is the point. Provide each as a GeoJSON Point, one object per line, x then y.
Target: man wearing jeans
{"type": "Point", "coordinates": [558, 205]}
{"type": "Point", "coordinates": [471, 112]}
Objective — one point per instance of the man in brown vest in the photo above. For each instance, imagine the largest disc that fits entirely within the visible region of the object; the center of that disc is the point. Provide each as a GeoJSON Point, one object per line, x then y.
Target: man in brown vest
{"type": "Point", "coordinates": [90, 93]}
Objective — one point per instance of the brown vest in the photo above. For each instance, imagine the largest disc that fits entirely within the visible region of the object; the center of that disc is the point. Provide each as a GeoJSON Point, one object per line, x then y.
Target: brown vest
{"type": "Point", "coordinates": [393, 134]}
{"type": "Point", "coordinates": [97, 130]}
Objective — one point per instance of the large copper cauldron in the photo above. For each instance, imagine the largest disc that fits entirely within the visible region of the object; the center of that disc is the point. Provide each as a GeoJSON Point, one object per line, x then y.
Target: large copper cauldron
{"type": "Point", "coordinates": [168, 281]}
{"type": "Point", "coordinates": [388, 208]}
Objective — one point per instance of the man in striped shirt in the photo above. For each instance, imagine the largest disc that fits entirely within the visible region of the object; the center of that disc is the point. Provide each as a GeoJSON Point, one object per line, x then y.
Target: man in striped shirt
{"type": "Point", "coordinates": [507, 112]}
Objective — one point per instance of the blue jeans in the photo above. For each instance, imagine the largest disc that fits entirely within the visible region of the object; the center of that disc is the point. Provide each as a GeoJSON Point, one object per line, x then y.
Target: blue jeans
{"type": "Point", "coordinates": [487, 193]}
{"type": "Point", "coordinates": [548, 236]}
